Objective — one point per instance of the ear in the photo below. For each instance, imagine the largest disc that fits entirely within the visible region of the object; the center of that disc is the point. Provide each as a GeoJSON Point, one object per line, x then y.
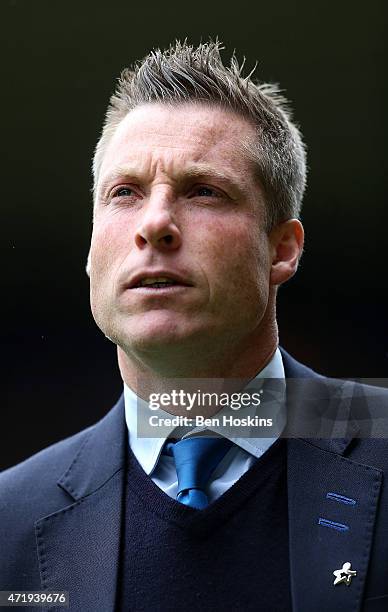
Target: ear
{"type": "Point", "coordinates": [286, 241]}
{"type": "Point", "coordinates": [88, 265]}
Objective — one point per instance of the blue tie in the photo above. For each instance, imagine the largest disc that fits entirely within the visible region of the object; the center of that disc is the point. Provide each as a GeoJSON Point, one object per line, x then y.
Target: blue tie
{"type": "Point", "coordinates": [195, 460]}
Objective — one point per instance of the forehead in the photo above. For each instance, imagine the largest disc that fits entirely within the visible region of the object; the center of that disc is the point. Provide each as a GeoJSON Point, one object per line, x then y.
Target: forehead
{"type": "Point", "coordinates": [172, 136]}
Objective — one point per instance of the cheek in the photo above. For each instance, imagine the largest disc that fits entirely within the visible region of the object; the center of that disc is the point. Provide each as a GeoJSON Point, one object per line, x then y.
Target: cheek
{"type": "Point", "coordinates": [237, 260]}
{"type": "Point", "coordinates": [104, 259]}
{"type": "Point", "coordinates": [108, 242]}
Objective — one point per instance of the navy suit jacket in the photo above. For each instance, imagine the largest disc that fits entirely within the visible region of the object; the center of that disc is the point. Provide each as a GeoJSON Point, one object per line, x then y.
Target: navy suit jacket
{"type": "Point", "coordinates": [60, 511]}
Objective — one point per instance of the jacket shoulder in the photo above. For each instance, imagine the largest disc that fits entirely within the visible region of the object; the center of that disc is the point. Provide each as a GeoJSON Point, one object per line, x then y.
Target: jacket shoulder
{"type": "Point", "coordinates": [40, 487]}
{"type": "Point", "coordinates": [28, 492]}
{"type": "Point", "coordinates": [32, 483]}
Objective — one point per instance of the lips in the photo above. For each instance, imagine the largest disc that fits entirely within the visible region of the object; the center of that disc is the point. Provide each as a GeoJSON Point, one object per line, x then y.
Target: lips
{"type": "Point", "coordinates": [157, 279]}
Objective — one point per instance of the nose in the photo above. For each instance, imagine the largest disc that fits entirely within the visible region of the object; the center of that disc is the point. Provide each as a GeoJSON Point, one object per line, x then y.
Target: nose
{"type": "Point", "coordinates": [157, 227]}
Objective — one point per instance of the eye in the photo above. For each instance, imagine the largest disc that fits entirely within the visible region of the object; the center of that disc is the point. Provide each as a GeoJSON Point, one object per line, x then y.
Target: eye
{"type": "Point", "coordinates": [124, 195]}
{"type": "Point", "coordinates": [123, 192]}
{"type": "Point", "coordinates": [206, 192]}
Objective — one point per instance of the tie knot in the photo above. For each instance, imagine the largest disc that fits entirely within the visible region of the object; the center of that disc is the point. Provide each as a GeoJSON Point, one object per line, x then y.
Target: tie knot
{"type": "Point", "coordinates": [195, 460]}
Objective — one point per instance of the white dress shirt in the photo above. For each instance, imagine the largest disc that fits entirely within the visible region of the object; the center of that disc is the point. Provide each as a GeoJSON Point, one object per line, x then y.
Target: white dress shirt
{"type": "Point", "coordinates": [242, 455]}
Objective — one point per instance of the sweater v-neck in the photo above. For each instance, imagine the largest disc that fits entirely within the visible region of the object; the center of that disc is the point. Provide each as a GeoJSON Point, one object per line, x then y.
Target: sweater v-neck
{"type": "Point", "coordinates": [200, 522]}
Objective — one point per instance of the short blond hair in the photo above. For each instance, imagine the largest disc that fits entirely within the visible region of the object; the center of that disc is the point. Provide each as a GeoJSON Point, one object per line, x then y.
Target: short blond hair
{"type": "Point", "coordinates": [184, 73]}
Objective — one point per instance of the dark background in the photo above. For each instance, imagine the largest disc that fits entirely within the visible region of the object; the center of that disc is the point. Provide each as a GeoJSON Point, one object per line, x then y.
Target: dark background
{"type": "Point", "coordinates": [60, 61]}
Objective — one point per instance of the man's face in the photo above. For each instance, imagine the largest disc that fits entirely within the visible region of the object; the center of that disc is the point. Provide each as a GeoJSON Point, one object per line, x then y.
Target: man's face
{"type": "Point", "coordinates": [177, 198]}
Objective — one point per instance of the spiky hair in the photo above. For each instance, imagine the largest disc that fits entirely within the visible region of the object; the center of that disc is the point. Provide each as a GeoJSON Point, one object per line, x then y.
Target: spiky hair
{"type": "Point", "coordinates": [187, 74]}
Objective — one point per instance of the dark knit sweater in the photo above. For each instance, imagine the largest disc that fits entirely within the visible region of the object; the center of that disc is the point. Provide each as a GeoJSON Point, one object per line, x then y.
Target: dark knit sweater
{"type": "Point", "coordinates": [233, 555]}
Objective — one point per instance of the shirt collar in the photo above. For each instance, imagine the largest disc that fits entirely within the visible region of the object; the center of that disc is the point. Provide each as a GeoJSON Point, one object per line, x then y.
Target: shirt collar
{"type": "Point", "coordinates": [147, 450]}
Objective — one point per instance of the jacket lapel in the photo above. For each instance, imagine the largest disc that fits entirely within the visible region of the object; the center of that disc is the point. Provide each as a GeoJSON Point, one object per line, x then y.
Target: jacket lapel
{"type": "Point", "coordinates": [79, 546]}
{"type": "Point", "coordinates": [332, 506]}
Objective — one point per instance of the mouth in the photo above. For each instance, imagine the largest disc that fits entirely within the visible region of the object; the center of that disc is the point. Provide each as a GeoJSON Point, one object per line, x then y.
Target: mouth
{"type": "Point", "coordinates": [158, 282]}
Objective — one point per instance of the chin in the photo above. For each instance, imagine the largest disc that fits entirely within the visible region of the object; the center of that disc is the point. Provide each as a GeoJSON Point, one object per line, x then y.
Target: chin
{"type": "Point", "coordinates": [156, 335]}
{"type": "Point", "coordinates": [153, 332]}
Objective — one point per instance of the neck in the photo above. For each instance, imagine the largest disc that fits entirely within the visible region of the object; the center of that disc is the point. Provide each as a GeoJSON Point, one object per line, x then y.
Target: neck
{"type": "Point", "coordinates": [230, 365]}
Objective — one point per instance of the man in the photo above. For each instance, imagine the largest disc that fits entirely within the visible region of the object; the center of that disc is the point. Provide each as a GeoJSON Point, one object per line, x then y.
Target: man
{"type": "Point", "coordinates": [198, 181]}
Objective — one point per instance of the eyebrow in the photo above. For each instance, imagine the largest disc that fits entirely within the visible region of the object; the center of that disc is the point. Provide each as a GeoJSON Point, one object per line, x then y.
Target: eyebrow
{"type": "Point", "coordinates": [199, 171]}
